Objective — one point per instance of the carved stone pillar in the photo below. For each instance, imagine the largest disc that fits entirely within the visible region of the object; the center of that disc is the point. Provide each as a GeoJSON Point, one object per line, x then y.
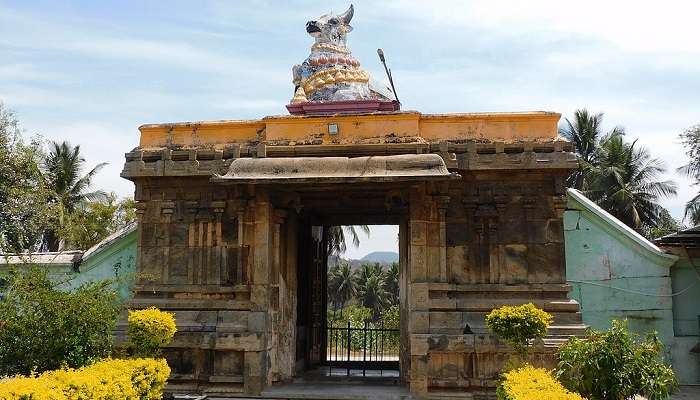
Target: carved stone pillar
{"type": "Point", "coordinates": [167, 209]}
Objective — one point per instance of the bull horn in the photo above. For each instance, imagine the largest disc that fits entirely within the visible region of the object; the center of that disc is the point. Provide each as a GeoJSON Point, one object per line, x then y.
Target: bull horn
{"type": "Point", "coordinates": [347, 15]}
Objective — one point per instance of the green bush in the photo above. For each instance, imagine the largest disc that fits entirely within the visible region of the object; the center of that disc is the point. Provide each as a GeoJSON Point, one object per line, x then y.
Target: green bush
{"type": "Point", "coordinates": [518, 324]}
{"type": "Point", "coordinates": [391, 317]}
{"type": "Point", "coordinates": [615, 365]}
{"type": "Point", "coordinates": [43, 328]}
{"type": "Point", "coordinates": [149, 330]}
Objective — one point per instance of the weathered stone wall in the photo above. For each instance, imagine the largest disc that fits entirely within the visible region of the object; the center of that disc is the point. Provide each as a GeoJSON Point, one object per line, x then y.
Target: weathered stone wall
{"type": "Point", "coordinates": [224, 261]}
{"type": "Point", "coordinates": [487, 240]}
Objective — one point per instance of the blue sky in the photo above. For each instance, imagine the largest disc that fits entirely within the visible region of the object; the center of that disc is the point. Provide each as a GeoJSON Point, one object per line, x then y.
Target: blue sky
{"type": "Point", "coordinates": [92, 72]}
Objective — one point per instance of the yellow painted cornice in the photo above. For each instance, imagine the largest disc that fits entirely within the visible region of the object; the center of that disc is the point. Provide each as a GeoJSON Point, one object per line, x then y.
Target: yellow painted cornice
{"type": "Point", "coordinates": [536, 125]}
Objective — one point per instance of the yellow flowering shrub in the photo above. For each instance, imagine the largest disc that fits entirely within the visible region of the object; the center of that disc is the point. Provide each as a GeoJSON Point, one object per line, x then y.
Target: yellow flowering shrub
{"type": "Point", "coordinates": [518, 324]}
{"type": "Point", "coordinates": [149, 330]}
{"type": "Point", "coordinates": [134, 379]}
{"type": "Point", "coordinates": [530, 383]}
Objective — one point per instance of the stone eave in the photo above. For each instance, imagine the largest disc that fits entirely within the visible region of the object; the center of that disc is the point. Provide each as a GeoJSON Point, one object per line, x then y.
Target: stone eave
{"type": "Point", "coordinates": [611, 224]}
{"type": "Point", "coordinates": [324, 170]}
{"type": "Point", "coordinates": [471, 156]}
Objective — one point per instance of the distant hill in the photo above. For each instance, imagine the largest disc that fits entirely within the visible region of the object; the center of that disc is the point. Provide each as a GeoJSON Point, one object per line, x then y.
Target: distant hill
{"type": "Point", "coordinates": [381, 257]}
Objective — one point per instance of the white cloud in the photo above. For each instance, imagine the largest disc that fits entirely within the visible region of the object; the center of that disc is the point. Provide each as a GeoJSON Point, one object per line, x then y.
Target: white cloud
{"type": "Point", "coordinates": [642, 26]}
{"type": "Point", "coordinates": [42, 34]}
{"type": "Point", "coordinates": [26, 71]}
{"type": "Point", "coordinates": [636, 61]}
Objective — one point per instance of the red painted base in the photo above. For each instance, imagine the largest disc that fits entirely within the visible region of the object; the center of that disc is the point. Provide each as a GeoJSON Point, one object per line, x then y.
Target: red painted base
{"type": "Point", "coordinates": [342, 107]}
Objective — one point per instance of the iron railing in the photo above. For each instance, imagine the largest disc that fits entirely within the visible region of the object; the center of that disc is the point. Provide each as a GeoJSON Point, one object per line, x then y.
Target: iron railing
{"type": "Point", "coordinates": [371, 347]}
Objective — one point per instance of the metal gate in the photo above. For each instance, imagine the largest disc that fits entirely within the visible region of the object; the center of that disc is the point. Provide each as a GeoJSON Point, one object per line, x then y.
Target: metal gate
{"type": "Point", "coordinates": [370, 347]}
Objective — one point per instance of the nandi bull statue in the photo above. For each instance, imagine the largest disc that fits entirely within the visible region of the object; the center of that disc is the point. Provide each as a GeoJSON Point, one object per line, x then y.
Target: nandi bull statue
{"type": "Point", "coordinates": [330, 73]}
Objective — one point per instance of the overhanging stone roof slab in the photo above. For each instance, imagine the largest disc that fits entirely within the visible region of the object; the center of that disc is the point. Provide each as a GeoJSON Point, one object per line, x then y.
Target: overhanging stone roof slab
{"type": "Point", "coordinates": [397, 168]}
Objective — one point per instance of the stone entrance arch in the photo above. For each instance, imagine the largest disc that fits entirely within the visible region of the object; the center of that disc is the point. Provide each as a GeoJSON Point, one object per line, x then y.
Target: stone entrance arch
{"type": "Point", "coordinates": [224, 208]}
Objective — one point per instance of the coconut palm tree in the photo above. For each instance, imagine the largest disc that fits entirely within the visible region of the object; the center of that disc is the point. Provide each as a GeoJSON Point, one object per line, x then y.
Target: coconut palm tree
{"type": "Point", "coordinates": [625, 182]}
{"type": "Point", "coordinates": [691, 141]}
{"type": "Point", "coordinates": [368, 269]}
{"type": "Point", "coordinates": [390, 283]}
{"type": "Point", "coordinates": [370, 291]}
{"type": "Point", "coordinates": [337, 243]}
{"type": "Point", "coordinates": [585, 132]}
{"type": "Point", "coordinates": [342, 285]}
{"type": "Point", "coordinates": [69, 190]}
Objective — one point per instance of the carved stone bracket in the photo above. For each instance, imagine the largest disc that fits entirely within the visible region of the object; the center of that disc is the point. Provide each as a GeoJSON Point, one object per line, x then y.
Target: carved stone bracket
{"type": "Point", "coordinates": [167, 208]}
{"type": "Point", "coordinates": [140, 207]}
{"type": "Point", "coordinates": [529, 201]}
{"type": "Point", "coordinates": [559, 203]}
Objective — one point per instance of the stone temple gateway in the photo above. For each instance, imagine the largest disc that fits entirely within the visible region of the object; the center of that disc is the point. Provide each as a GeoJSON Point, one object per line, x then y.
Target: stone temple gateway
{"type": "Point", "coordinates": [232, 217]}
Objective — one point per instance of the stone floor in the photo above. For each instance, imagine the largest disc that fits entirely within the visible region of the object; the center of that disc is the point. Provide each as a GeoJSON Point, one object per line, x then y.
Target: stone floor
{"type": "Point", "coordinates": [687, 393]}
{"type": "Point", "coordinates": [339, 391]}
{"type": "Point", "coordinates": [684, 393]}
{"type": "Point", "coordinates": [339, 384]}
{"type": "Point", "coordinates": [334, 374]}
{"type": "Point", "coordinates": [364, 390]}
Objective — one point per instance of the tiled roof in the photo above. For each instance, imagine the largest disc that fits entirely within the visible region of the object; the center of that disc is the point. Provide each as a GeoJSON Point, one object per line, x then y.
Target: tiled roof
{"type": "Point", "coordinates": [688, 238]}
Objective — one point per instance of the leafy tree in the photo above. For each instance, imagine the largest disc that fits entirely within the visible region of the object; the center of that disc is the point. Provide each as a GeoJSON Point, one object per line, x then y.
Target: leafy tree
{"type": "Point", "coordinates": [23, 200]}
{"type": "Point", "coordinates": [89, 224]}
{"type": "Point", "coordinates": [390, 283]}
{"type": "Point", "coordinates": [63, 166]}
{"type": "Point", "coordinates": [44, 328]}
{"type": "Point", "coordinates": [337, 243]}
{"type": "Point", "coordinates": [691, 141]}
{"type": "Point", "coordinates": [666, 225]}
{"type": "Point", "coordinates": [615, 365]}
{"type": "Point", "coordinates": [625, 183]}
{"type": "Point", "coordinates": [391, 317]}
{"type": "Point", "coordinates": [586, 135]}
{"type": "Point", "coordinates": [342, 285]}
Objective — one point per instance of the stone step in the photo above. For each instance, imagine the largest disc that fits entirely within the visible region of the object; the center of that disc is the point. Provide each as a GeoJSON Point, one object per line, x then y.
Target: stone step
{"type": "Point", "coordinates": [329, 391]}
{"type": "Point", "coordinates": [566, 330]}
{"type": "Point", "coordinates": [476, 304]}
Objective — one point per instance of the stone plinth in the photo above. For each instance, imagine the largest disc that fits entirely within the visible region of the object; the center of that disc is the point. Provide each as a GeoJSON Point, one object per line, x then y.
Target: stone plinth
{"type": "Point", "coordinates": [342, 107]}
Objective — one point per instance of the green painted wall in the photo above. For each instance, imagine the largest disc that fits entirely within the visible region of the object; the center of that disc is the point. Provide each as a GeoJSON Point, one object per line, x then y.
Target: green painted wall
{"type": "Point", "coordinates": [117, 261]}
{"type": "Point", "coordinates": [686, 306]}
{"type": "Point", "coordinates": [686, 309]}
{"type": "Point", "coordinates": [114, 258]}
{"type": "Point", "coordinates": [617, 274]}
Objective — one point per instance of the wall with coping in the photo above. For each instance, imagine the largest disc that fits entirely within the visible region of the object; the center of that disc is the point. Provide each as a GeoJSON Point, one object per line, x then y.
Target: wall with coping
{"type": "Point", "coordinates": [114, 258]}
{"type": "Point", "coordinates": [616, 273]}
{"type": "Point", "coordinates": [117, 261]}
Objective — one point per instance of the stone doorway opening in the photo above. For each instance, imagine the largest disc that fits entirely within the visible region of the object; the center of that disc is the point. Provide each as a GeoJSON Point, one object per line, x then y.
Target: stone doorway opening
{"type": "Point", "coordinates": [362, 329]}
{"type": "Point", "coordinates": [349, 321]}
